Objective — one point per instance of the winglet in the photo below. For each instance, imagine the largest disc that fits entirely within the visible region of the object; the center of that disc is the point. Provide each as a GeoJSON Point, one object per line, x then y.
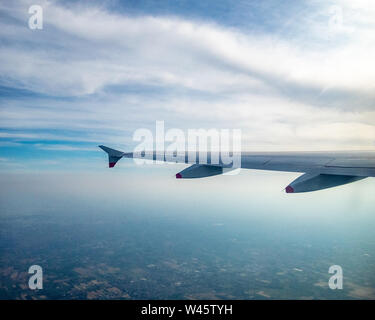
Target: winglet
{"type": "Point", "coordinates": [113, 155]}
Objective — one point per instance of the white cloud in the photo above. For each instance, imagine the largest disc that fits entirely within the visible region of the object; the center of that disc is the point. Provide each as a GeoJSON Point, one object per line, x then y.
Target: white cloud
{"type": "Point", "coordinates": [276, 89]}
{"type": "Point", "coordinates": [94, 48]}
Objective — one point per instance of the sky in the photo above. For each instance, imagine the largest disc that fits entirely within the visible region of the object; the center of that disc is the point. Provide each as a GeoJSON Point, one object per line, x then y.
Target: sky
{"type": "Point", "coordinates": [296, 75]}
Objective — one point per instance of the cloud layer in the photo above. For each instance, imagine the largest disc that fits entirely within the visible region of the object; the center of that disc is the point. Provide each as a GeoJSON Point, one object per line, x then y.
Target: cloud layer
{"type": "Point", "coordinates": [95, 75]}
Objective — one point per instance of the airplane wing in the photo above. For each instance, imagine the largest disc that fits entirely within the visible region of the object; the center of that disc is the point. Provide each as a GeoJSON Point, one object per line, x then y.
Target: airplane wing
{"type": "Point", "coordinates": [321, 170]}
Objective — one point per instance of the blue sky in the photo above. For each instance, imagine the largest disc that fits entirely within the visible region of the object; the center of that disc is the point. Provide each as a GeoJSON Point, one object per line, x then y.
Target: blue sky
{"type": "Point", "coordinates": [296, 75]}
